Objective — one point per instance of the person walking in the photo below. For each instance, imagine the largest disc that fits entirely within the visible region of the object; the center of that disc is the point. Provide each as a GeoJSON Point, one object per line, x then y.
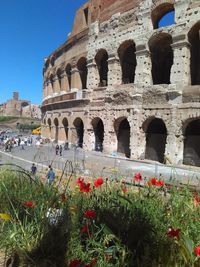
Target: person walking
{"type": "Point", "coordinates": [33, 169]}
{"type": "Point", "coordinates": [57, 149]}
{"type": "Point", "coordinates": [50, 176]}
{"type": "Point", "coordinates": [60, 149]}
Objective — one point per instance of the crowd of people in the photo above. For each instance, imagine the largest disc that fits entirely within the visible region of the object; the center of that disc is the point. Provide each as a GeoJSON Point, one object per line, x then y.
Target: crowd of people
{"type": "Point", "coordinates": [10, 142]}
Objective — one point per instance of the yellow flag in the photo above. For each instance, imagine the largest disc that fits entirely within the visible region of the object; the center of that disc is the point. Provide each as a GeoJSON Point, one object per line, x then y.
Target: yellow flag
{"type": "Point", "coordinates": [5, 216]}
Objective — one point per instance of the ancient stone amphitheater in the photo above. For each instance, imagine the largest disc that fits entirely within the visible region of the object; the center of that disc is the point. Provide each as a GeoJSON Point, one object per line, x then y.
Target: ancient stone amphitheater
{"type": "Point", "coordinates": [124, 83]}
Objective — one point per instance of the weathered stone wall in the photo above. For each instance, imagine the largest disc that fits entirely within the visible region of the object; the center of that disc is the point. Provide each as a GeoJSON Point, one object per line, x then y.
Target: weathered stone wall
{"type": "Point", "coordinates": [141, 104]}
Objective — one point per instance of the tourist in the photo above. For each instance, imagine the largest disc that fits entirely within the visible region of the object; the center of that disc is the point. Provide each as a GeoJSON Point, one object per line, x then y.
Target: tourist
{"type": "Point", "coordinates": [60, 149]}
{"type": "Point", "coordinates": [33, 169]}
{"type": "Point", "coordinates": [57, 149]}
{"type": "Point", "coordinates": [50, 176]}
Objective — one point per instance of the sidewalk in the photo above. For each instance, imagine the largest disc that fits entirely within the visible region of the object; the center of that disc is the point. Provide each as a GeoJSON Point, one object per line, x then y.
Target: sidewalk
{"type": "Point", "coordinates": [94, 164]}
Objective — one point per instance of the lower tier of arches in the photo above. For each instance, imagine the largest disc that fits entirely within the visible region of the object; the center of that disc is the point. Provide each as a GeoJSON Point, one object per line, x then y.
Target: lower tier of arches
{"type": "Point", "coordinates": [160, 135]}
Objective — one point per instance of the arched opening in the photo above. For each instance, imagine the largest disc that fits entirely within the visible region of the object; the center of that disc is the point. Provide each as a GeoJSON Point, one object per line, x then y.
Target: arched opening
{"type": "Point", "coordinates": [191, 155]}
{"type": "Point", "coordinates": [163, 15]}
{"type": "Point", "coordinates": [194, 39]}
{"type": "Point", "coordinates": [78, 124]}
{"type": "Point", "coordinates": [161, 57]}
{"type": "Point", "coordinates": [59, 78]}
{"type": "Point", "coordinates": [68, 73]}
{"type": "Point", "coordinates": [65, 125]}
{"type": "Point", "coordinates": [122, 129]}
{"type": "Point", "coordinates": [82, 67]}
{"type": "Point", "coordinates": [101, 59]}
{"type": "Point", "coordinates": [156, 135]}
{"type": "Point", "coordinates": [127, 58]}
{"type": "Point", "coordinates": [98, 127]}
{"type": "Point", "coordinates": [56, 129]}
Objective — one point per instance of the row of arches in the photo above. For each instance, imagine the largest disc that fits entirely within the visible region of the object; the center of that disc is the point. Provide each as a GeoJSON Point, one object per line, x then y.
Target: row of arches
{"type": "Point", "coordinates": [62, 79]}
{"type": "Point", "coordinates": [162, 59]}
{"type": "Point", "coordinates": [155, 133]}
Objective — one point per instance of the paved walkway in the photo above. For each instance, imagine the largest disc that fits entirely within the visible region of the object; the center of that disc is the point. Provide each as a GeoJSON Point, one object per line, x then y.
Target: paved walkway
{"type": "Point", "coordinates": [96, 164]}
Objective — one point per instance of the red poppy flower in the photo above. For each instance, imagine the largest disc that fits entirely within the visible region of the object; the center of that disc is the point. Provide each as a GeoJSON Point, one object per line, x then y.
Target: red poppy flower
{"type": "Point", "coordinates": [124, 189]}
{"type": "Point", "coordinates": [83, 186]}
{"type": "Point", "coordinates": [28, 204]}
{"type": "Point", "coordinates": [173, 233]}
{"type": "Point", "coordinates": [91, 264]}
{"type": "Point", "coordinates": [84, 230]}
{"type": "Point", "coordinates": [197, 200]}
{"type": "Point", "coordinates": [90, 214]}
{"type": "Point", "coordinates": [138, 176]}
{"type": "Point", "coordinates": [197, 251]}
{"type": "Point", "coordinates": [74, 263]}
{"type": "Point", "coordinates": [98, 182]}
{"type": "Point", "coordinates": [156, 182]}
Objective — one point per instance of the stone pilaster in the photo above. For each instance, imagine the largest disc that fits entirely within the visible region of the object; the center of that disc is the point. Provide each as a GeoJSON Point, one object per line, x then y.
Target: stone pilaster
{"type": "Point", "coordinates": [180, 71]}
{"type": "Point", "coordinates": [143, 74]}
{"type": "Point", "coordinates": [56, 85]}
{"type": "Point", "coordinates": [64, 82]}
{"type": "Point", "coordinates": [114, 70]}
{"type": "Point", "coordinates": [93, 75]}
{"type": "Point", "coordinates": [89, 139]}
{"type": "Point", "coordinates": [45, 90]}
{"type": "Point", "coordinates": [76, 79]}
{"type": "Point", "coordinates": [49, 88]}
{"type": "Point", "coordinates": [110, 140]}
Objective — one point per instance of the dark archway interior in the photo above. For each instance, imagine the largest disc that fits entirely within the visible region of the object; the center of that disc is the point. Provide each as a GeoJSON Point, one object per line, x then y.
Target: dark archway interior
{"type": "Point", "coordinates": [82, 67]}
{"type": "Point", "coordinates": [49, 123]}
{"type": "Point", "coordinates": [99, 135]}
{"type": "Point", "coordinates": [102, 64]}
{"type": "Point", "coordinates": [123, 138]}
{"type": "Point", "coordinates": [56, 130]}
{"type": "Point", "coordinates": [162, 58]}
{"type": "Point", "coordinates": [156, 140]}
{"type": "Point", "coordinates": [68, 72]}
{"type": "Point", "coordinates": [191, 155]}
{"type": "Point", "coordinates": [79, 131]}
{"type": "Point", "coordinates": [128, 61]}
{"type": "Point", "coordinates": [59, 77]}
{"type": "Point", "coordinates": [65, 125]}
{"type": "Point", "coordinates": [194, 38]}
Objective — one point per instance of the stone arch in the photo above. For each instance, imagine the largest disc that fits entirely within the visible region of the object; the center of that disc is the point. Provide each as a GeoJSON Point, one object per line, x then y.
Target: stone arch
{"type": "Point", "coordinates": [79, 132]}
{"type": "Point", "coordinates": [68, 70]}
{"type": "Point", "coordinates": [59, 72]}
{"type": "Point", "coordinates": [66, 127]}
{"type": "Point", "coordinates": [82, 68]}
{"type": "Point", "coordinates": [194, 39]}
{"type": "Point", "coordinates": [159, 10]}
{"type": "Point", "coordinates": [98, 128]}
{"type": "Point", "coordinates": [156, 135]}
{"type": "Point", "coordinates": [191, 151]}
{"type": "Point", "coordinates": [101, 60]}
{"type": "Point", "coordinates": [56, 124]}
{"type": "Point", "coordinates": [128, 62]}
{"type": "Point", "coordinates": [122, 129]}
{"type": "Point", "coordinates": [161, 57]}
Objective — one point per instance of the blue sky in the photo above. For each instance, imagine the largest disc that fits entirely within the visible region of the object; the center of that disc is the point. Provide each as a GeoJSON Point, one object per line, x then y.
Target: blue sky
{"type": "Point", "coordinates": [29, 31]}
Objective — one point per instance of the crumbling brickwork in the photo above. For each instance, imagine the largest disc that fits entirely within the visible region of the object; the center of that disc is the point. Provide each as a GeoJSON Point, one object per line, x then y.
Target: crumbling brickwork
{"type": "Point", "coordinates": [121, 83]}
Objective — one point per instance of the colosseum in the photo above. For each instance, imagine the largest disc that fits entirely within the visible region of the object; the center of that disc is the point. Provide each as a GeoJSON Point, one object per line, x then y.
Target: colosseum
{"type": "Point", "coordinates": [123, 83]}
